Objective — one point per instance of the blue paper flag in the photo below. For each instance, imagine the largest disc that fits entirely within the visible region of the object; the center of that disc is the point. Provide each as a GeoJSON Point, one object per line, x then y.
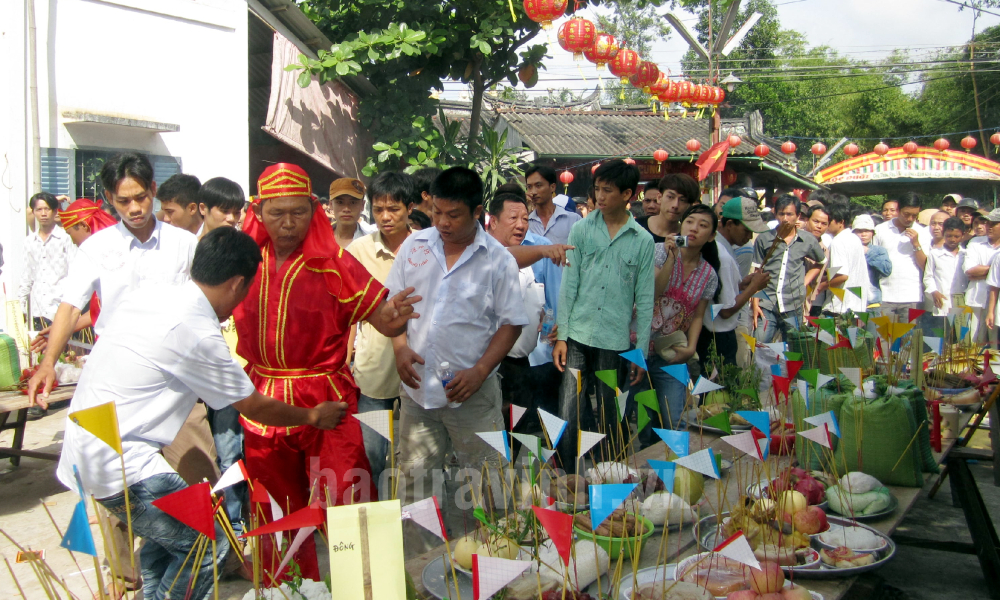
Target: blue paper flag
{"type": "Point", "coordinates": [79, 482]}
{"type": "Point", "coordinates": [665, 471]}
{"type": "Point", "coordinates": [776, 370]}
{"type": "Point", "coordinates": [604, 499]}
{"type": "Point", "coordinates": [635, 356]}
{"type": "Point", "coordinates": [78, 537]}
{"type": "Point", "coordinates": [678, 372]}
{"type": "Point", "coordinates": [963, 332]}
{"type": "Point", "coordinates": [678, 441]}
{"type": "Point", "coordinates": [760, 419]}
{"type": "Point", "coordinates": [897, 346]}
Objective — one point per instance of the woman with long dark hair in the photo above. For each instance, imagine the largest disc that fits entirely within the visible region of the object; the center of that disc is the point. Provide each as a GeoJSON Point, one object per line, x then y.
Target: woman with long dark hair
{"type": "Point", "coordinates": [686, 280]}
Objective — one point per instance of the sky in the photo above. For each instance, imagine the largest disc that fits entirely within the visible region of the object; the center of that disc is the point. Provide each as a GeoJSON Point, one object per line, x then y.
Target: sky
{"type": "Point", "coordinates": [862, 29]}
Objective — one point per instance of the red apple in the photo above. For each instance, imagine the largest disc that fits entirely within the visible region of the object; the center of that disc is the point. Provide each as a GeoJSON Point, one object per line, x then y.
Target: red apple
{"type": "Point", "coordinates": [812, 489]}
{"type": "Point", "coordinates": [810, 521]}
{"type": "Point", "coordinates": [795, 592]}
{"type": "Point", "coordinates": [768, 579]}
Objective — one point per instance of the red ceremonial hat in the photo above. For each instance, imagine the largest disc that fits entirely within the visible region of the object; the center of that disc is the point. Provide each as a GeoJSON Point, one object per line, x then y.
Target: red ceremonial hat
{"type": "Point", "coordinates": [281, 180]}
{"type": "Point", "coordinates": [86, 211]}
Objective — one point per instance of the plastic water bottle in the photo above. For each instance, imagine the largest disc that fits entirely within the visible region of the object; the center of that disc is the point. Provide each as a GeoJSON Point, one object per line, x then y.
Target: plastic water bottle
{"type": "Point", "coordinates": [446, 374]}
{"type": "Point", "coordinates": [548, 322]}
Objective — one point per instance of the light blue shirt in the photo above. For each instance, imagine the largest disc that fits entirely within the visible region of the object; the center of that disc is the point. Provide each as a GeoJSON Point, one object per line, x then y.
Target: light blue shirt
{"type": "Point", "coordinates": [558, 227]}
{"type": "Point", "coordinates": [460, 309]}
{"type": "Point", "coordinates": [548, 274]}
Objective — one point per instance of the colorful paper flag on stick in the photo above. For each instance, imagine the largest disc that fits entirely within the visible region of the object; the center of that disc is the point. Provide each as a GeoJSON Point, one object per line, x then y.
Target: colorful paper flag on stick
{"type": "Point", "coordinates": [794, 366]}
{"type": "Point", "coordinates": [852, 334]}
{"type": "Point", "coordinates": [427, 514]}
{"type": "Point", "coordinates": [310, 516]}
{"type": "Point", "coordinates": [702, 461]}
{"type": "Point", "coordinates": [531, 442]}
{"type": "Point", "coordinates": [703, 386]}
{"type": "Point", "coordinates": [826, 337]}
{"type": "Point", "coordinates": [803, 390]}
{"type": "Point", "coordinates": [634, 356]}
{"type": "Point", "coordinates": [827, 418]}
{"type": "Point", "coordinates": [936, 344]}
{"type": "Point", "coordinates": [862, 316]}
{"type": "Point", "coordinates": [609, 377]}
{"type": "Point", "coordinates": [490, 575]}
{"type": "Point", "coordinates": [752, 392]}
{"type": "Point", "coordinates": [380, 421]}
{"type": "Point", "coordinates": [498, 441]}
{"type": "Point", "coordinates": [857, 292]}
{"type": "Point", "coordinates": [516, 412]}
{"type": "Point", "coordinates": [737, 548]}
{"type": "Point", "coordinates": [715, 308]}
{"type": "Point", "coordinates": [191, 506]}
{"type": "Point", "coordinates": [745, 443]}
{"type": "Point", "coordinates": [719, 421]}
{"type": "Point", "coordinates": [752, 342]}
{"type": "Point", "coordinates": [780, 385]}
{"type": "Point", "coordinates": [554, 426]}
{"type": "Point", "coordinates": [579, 379]}
{"type": "Point", "coordinates": [559, 526]}
{"type": "Point", "coordinates": [678, 372]}
{"type": "Point", "coordinates": [678, 441]}
{"type": "Point", "coordinates": [604, 499]}
{"type": "Point", "coordinates": [820, 435]}
{"type": "Point", "coordinates": [792, 355]}
{"type": "Point", "coordinates": [622, 401]}
{"type": "Point", "coordinates": [841, 343]}
{"type": "Point", "coordinates": [101, 421]}
{"type": "Point", "coordinates": [827, 325]}
{"type": "Point", "coordinates": [587, 440]}
{"type": "Point", "coordinates": [258, 493]}
{"type": "Point", "coordinates": [838, 292]}
{"type": "Point", "coordinates": [665, 470]}
{"type": "Point", "coordinates": [303, 534]}
{"type": "Point", "coordinates": [822, 380]}
{"type": "Point", "coordinates": [643, 418]}
{"type": "Point", "coordinates": [78, 536]}
{"type": "Point", "coordinates": [236, 473]}
{"type": "Point", "coordinates": [277, 514]}
{"type": "Point", "coordinates": [853, 375]}
{"type": "Point", "coordinates": [761, 419]}
{"type": "Point", "coordinates": [547, 454]}
{"type": "Point", "coordinates": [915, 314]}
{"type": "Point", "coordinates": [648, 399]}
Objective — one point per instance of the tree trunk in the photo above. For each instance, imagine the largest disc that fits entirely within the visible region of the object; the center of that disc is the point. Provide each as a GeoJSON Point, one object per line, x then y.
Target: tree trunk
{"type": "Point", "coordinates": [478, 90]}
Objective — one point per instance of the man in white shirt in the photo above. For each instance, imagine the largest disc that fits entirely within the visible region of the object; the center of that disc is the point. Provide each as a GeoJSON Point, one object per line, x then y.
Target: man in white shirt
{"type": "Point", "coordinates": [944, 279]}
{"type": "Point", "coordinates": [471, 315]}
{"type": "Point", "coordinates": [548, 219]}
{"type": "Point", "coordinates": [178, 198]}
{"type": "Point", "coordinates": [740, 220]}
{"type": "Point", "coordinates": [161, 351]}
{"type": "Point", "coordinates": [847, 258]}
{"type": "Point", "coordinates": [903, 289]}
{"type": "Point", "coordinates": [976, 265]}
{"type": "Point", "coordinates": [48, 252]}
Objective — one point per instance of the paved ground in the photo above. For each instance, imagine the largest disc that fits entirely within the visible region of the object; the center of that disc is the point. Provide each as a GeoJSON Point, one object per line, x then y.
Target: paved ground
{"type": "Point", "coordinates": [915, 574]}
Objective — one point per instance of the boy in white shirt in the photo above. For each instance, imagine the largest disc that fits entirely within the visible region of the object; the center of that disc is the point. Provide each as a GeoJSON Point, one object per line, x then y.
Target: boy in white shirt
{"type": "Point", "coordinates": [847, 257]}
{"type": "Point", "coordinates": [944, 280]}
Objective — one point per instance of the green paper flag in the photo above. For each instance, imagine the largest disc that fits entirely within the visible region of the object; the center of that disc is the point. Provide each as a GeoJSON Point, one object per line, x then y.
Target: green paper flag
{"type": "Point", "coordinates": [648, 399]}
{"type": "Point", "coordinates": [609, 377]}
{"type": "Point", "coordinates": [863, 316]}
{"type": "Point", "coordinates": [719, 421]}
{"type": "Point", "coordinates": [938, 332]}
{"type": "Point", "coordinates": [793, 356]}
{"type": "Point", "coordinates": [810, 376]}
{"type": "Point", "coordinates": [643, 419]}
{"type": "Point", "coordinates": [718, 459]}
{"type": "Point", "coordinates": [750, 392]}
{"type": "Point", "coordinates": [480, 514]}
{"type": "Point", "coordinates": [855, 290]}
{"type": "Point", "coordinates": [828, 325]}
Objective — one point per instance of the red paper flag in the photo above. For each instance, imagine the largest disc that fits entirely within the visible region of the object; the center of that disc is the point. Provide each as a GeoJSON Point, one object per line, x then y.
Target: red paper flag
{"type": "Point", "coordinates": [191, 506]}
{"type": "Point", "coordinates": [812, 321]}
{"type": "Point", "coordinates": [793, 368]}
{"type": "Point", "coordinates": [259, 493]}
{"type": "Point", "coordinates": [559, 526]}
{"type": "Point", "coordinates": [842, 343]}
{"type": "Point", "coordinates": [310, 516]}
{"type": "Point", "coordinates": [712, 160]}
{"type": "Point", "coordinates": [915, 313]}
{"type": "Point", "coordinates": [780, 385]}
{"type": "Point", "coordinates": [878, 348]}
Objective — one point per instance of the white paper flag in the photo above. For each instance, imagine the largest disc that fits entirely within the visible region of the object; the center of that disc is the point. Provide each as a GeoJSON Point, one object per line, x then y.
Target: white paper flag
{"type": "Point", "coordinates": [936, 344]}
{"type": "Point", "coordinates": [531, 442]}
{"type": "Point", "coordinates": [622, 403]}
{"type": "Point", "coordinates": [853, 375]}
{"type": "Point", "coordinates": [554, 426]}
{"type": "Point", "coordinates": [702, 461]}
{"type": "Point", "coordinates": [715, 310]}
{"type": "Point", "coordinates": [426, 514]}
{"type": "Point", "coordinates": [379, 420]}
{"type": "Point", "coordinates": [778, 347]}
{"type": "Point", "coordinates": [820, 435]}
{"type": "Point", "coordinates": [276, 513]}
{"type": "Point", "coordinates": [704, 386]}
{"type": "Point", "coordinates": [490, 575]}
{"type": "Point", "coordinates": [827, 418]}
{"type": "Point", "coordinates": [233, 475]}
{"type": "Point", "coordinates": [852, 333]}
{"type": "Point", "coordinates": [745, 443]}
{"type": "Point", "coordinates": [303, 534]}
{"type": "Point", "coordinates": [822, 380]}
{"type": "Point", "coordinates": [516, 412]}
{"type": "Point", "coordinates": [587, 440]}
{"type": "Point", "coordinates": [803, 390]}
{"type": "Point", "coordinates": [547, 454]}
{"type": "Point", "coordinates": [498, 440]}
{"type": "Point", "coordinates": [826, 338]}
{"type": "Point", "coordinates": [738, 549]}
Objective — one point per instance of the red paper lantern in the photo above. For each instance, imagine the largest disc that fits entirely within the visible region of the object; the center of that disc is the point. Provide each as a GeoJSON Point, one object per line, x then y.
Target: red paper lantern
{"type": "Point", "coordinates": [789, 147]}
{"type": "Point", "coordinates": [717, 96]}
{"type": "Point", "coordinates": [881, 149]}
{"type": "Point", "coordinates": [728, 177]}
{"type": "Point", "coordinates": [851, 149]}
{"type": "Point", "coordinates": [625, 64]}
{"type": "Point", "coordinates": [941, 144]}
{"type": "Point", "coordinates": [629, 161]}
{"type": "Point", "coordinates": [704, 94]}
{"type": "Point", "coordinates": [910, 147]}
{"type": "Point", "coordinates": [660, 155]}
{"type": "Point", "coordinates": [734, 140]}
{"type": "Point", "coordinates": [995, 139]}
{"type": "Point", "coordinates": [968, 142]}
{"type": "Point", "coordinates": [684, 91]}
{"type": "Point", "coordinates": [659, 89]}
{"type": "Point", "coordinates": [818, 148]}
{"type": "Point", "coordinates": [693, 145]}
{"type": "Point", "coordinates": [671, 94]}
{"type": "Point", "coordinates": [646, 75]}
{"type": "Point", "coordinates": [566, 177]}
{"type": "Point", "coordinates": [576, 35]}
{"type": "Point", "coordinates": [604, 49]}
{"type": "Point", "coordinates": [762, 150]}
{"type": "Point", "coordinates": [545, 11]}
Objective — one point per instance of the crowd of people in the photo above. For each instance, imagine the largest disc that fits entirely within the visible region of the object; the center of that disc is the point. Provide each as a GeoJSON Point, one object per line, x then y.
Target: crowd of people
{"type": "Point", "coordinates": [231, 330]}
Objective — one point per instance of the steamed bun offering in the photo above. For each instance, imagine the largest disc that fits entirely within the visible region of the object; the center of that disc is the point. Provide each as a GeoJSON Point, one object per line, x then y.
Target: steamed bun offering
{"type": "Point", "coordinates": [855, 538]}
{"type": "Point", "coordinates": [663, 507]}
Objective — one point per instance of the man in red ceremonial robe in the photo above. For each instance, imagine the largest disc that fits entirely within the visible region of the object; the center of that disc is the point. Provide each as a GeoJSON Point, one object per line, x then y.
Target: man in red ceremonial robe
{"type": "Point", "coordinates": [293, 329]}
{"type": "Point", "coordinates": [81, 220]}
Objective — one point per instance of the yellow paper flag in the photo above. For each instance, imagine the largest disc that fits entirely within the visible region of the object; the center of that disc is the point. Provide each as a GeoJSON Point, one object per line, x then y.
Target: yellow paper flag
{"type": "Point", "coordinates": [893, 331]}
{"type": "Point", "coordinates": [366, 550]}
{"type": "Point", "coordinates": [102, 422]}
{"type": "Point", "coordinates": [838, 292]}
{"type": "Point", "coordinates": [752, 342]}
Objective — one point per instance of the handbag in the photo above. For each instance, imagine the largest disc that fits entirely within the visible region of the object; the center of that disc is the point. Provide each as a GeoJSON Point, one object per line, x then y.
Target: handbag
{"type": "Point", "coordinates": [666, 346]}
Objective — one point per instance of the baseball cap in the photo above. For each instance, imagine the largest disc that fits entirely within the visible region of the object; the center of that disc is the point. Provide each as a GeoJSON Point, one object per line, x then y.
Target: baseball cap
{"type": "Point", "coordinates": [745, 211]}
{"type": "Point", "coordinates": [968, 203]}
{"type": "Point", "coordinates": [863, 222]}
{"type": "Point", "coordinates": [345, 186]}
{"type": "Point", "coordinates": [956, 198]}
{"type": "Point", "coordinates": [994, 215]}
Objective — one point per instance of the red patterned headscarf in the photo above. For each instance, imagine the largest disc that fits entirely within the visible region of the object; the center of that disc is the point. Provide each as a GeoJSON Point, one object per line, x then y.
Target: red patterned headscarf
{"type": "Point", "coordinates": [86, 211]}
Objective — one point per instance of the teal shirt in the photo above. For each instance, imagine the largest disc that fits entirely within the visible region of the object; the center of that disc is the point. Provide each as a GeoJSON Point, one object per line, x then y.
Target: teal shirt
{"type": "Point", "coordinates": [604, 280]}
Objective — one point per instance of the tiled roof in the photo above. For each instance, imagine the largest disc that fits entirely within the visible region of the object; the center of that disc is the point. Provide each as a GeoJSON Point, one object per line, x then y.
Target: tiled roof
{"type": "Point", "coordinates": [612, 133]}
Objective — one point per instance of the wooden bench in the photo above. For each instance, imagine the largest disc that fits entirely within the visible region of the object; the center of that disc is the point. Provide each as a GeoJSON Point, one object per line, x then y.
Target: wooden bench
{"type": "Point", "coordinates": [16, 404]}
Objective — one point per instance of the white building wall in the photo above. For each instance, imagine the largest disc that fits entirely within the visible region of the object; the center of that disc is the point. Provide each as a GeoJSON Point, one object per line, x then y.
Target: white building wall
{"type": "Point", "coordinates": [181, 62]}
